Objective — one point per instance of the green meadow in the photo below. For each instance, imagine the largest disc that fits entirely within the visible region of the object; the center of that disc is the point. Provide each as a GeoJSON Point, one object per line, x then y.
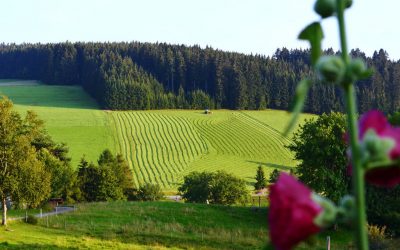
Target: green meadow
{"type": "Point", "coordinates": [153, 225]}
{"type": "Point", "coordinates": [161, 146]}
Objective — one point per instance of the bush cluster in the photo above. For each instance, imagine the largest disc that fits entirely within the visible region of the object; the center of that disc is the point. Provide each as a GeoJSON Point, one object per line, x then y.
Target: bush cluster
{"type": "Point", "coordinates": [217, 188]}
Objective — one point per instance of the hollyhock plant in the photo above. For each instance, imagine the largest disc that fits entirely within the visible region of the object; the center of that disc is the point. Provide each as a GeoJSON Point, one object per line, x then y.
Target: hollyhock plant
{"type": "Point", "coordinates": [380, 145]}
{"type": "Point", "coordinates": [293, 212]}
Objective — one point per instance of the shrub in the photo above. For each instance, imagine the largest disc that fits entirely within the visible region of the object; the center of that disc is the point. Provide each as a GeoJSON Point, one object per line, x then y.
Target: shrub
{"type": "Point", "coordinates": [31, 220]}
{"type": "Point", "coordinates": [217, 188]}
{"type": "Point", "coordinates": [150, 192]}
{"type": "Point", "coordinates": [196, 187]}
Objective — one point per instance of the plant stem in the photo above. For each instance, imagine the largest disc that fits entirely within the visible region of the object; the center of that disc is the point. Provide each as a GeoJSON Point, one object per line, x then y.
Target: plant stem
{"type": "Point", "coordinates": [358, 171]}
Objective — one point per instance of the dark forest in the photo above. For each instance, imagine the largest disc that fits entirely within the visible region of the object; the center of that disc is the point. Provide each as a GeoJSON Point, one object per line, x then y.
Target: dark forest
{"type": "Point", "coordinates": [124, 76]}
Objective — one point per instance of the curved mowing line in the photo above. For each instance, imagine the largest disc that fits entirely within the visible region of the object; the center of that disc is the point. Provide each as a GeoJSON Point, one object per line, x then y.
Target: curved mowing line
{"type": "Point", "coordinates": [169, 174]}
{"type": "Point", "coordinates": [224, 132]}
{"type": "Point", "coordinates": [186, 137]}
{"type": "Point", "coordinates": [196, 124]}
{"type": "Point", "coordinates": [164, 143]}
{"type": "Point", "coordinates": [237, 137]}
{"type": "Point", "coordinates": [213, 138]}
{"type": "Point", "coordinates": [248, 140]}
{"type": "Point", "coordinates": [266, 125]}
{"type": "Point", "coordinates": [126, 145]}
{"type": "Point", "coordinates": [170, 133]}
{"type": "Point", "coordinates": [145, 156]}
{"type": "Point", "coordinates": [151, 161]}
{"type": "Point", "coordinates": [195, 137]}
{"type": "Point", "coordinates": [276, 143]}
{"type": "Point", "coordinates": [180, 141]}
{"type": "Point", "coordinates": [255, 140]}
{"type": "Point", "coordinates": [129, 129]}
{"type": "Point", "coordinates": [276, 134]}
{"type": "Point", "coordinates": [143, 170]}
{"type": "Point", "coordinates": [174, 150]}
{"type": "Point", "coordinates": [165, 171]}
{"type": "Point", "coordinates": [171, 159]}
{"type": "Point", "coordinates": [267, 129]}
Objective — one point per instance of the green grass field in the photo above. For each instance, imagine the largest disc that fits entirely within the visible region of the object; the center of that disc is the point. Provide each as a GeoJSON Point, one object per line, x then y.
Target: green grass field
{"type": "Point", "coordinates": [153, 225]}
{"type": "Point", "coordinates": [161, 146]}
{"type": "Point", "coordinates": [70, 116]}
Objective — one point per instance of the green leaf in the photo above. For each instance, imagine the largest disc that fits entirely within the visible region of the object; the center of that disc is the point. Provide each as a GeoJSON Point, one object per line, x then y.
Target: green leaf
{"type": "Point", "coordinates": [314, 34]}
{"type": "Point", "coordinates": [298, 104]}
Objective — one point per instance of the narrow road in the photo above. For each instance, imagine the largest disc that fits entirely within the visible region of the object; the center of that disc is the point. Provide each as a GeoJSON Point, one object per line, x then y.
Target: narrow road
{"type": "Point", "coordinates": [57, 210]}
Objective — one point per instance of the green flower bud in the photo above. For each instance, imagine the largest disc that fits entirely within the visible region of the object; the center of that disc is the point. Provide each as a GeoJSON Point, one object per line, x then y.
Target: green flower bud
{"type": "Point", "coordinates": [329, 213]}
{"type": "Point", "coordinates": [325, 8]}
{"type": "Point", "coordinates": [331, 68]}
{"type": "Point", "coordinates": [357, 67]}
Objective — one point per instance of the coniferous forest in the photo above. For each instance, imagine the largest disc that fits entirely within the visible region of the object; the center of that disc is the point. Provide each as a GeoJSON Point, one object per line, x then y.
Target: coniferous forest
{"type": "Point", "coordinates": [122, 76]}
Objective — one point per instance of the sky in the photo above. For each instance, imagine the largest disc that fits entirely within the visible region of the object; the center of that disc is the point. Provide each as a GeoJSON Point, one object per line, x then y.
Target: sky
{"type": "Point", "coordinates": [247, 26]}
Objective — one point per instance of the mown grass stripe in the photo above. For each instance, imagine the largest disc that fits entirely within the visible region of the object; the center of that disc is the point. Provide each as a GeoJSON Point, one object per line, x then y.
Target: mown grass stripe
{"type": "Point", "coordinates": [159, 150]}
{"type": "Point", "coordinates": [165, 176]}
{"type": "Point", "coordinates": [131, 120]}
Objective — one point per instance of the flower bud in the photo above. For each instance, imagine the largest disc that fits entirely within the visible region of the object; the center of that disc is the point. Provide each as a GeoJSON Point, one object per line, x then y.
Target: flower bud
{"type": "Point", "coordinates": [331, 68]}
{"type": "Point", "coordinates": [325, 8]}
{"type": "Point", "coordinates": [357, 67]}
{"type": "Point", "coordinates": [380, 149]}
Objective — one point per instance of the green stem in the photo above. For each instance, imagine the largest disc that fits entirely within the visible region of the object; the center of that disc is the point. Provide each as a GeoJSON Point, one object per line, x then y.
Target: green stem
{"type": "Point", "coordinates": [358, 171]}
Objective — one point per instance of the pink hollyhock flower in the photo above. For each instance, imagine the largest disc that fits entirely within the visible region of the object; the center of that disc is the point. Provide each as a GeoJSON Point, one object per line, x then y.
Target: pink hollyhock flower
{"type": "Point", "coordinates": [292, 212]}
{"type": "Point", "coordinates": [385, 176]}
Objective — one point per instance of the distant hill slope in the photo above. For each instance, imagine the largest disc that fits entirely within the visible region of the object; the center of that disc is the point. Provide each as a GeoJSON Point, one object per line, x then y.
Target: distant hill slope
{"type": "Point", "coordinates": [161, 146]}
{"type": "Point", "coordinates": [70, 115]}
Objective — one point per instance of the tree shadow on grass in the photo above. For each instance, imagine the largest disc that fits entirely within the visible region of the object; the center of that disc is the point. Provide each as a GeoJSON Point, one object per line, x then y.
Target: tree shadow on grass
{"type": "Point", "coordinates": [272, 165]}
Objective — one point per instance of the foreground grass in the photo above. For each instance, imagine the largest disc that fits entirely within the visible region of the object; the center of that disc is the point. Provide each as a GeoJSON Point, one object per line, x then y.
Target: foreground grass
{"type": "Point", "coordinates": [152, 225]}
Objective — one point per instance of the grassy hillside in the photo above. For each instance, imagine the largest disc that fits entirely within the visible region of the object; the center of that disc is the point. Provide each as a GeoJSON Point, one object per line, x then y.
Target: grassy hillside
{"type": "Point", "coordinates": [153, 225]}
{"type": "Point", "coordinates": [161, 145]}
{"type": "Point", "coordinates": [71, 116]}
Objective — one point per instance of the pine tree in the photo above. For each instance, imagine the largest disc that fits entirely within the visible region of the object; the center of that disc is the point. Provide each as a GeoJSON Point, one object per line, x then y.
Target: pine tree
{"type": "Point", "coordinates": [261, 182]}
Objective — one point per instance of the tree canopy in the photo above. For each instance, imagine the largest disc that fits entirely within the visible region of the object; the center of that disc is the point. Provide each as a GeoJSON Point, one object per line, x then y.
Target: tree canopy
{"type": "Point", "coordinates": [123, 76]}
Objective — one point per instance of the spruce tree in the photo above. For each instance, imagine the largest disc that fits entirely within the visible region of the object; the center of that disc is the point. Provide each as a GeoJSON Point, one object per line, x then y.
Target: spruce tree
{"type": "Point", "coordinates": [261, 182]}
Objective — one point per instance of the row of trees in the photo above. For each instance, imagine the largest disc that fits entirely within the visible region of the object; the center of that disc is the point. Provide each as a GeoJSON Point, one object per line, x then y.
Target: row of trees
{"type": "Point", "coordinates": [153, 76]}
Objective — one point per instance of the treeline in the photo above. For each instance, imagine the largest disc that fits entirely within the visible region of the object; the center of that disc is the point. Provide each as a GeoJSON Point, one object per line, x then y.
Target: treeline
{"type": "Point", "coordinates": [155, 76]}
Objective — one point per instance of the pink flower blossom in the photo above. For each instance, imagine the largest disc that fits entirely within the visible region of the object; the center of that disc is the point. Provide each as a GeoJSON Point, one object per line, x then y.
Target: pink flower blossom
{"type": "Point", "coordinates": [382, 176]}
{"type": "Point", "coordinates": [291, 213]}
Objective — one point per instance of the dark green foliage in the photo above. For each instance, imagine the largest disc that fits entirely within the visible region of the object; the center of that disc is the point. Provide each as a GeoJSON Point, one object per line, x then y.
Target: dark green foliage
{"type": "Point", "coordinates": [110, 180]}
{"type": "Point", "coordinates": [261, 182]}
{"type": "Point", "coordinates": [273, 177]}
{"type": "Point", "coordinates": [217, 188]}
{"type": "Point", "coordinates": [320, 148]}
{"type": "Point", "coordinates": [196, 187]}
{"type": "Point", "coordinates": [227, 189]}
{"type": "Point", "coordinates": [31, 219]}
{"type": "Point", "coordinates": [325, 171]}
{"type": "Point", "coordinates": [137, 75]}
{"type": "Point", "coordinates": [150, 192]}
